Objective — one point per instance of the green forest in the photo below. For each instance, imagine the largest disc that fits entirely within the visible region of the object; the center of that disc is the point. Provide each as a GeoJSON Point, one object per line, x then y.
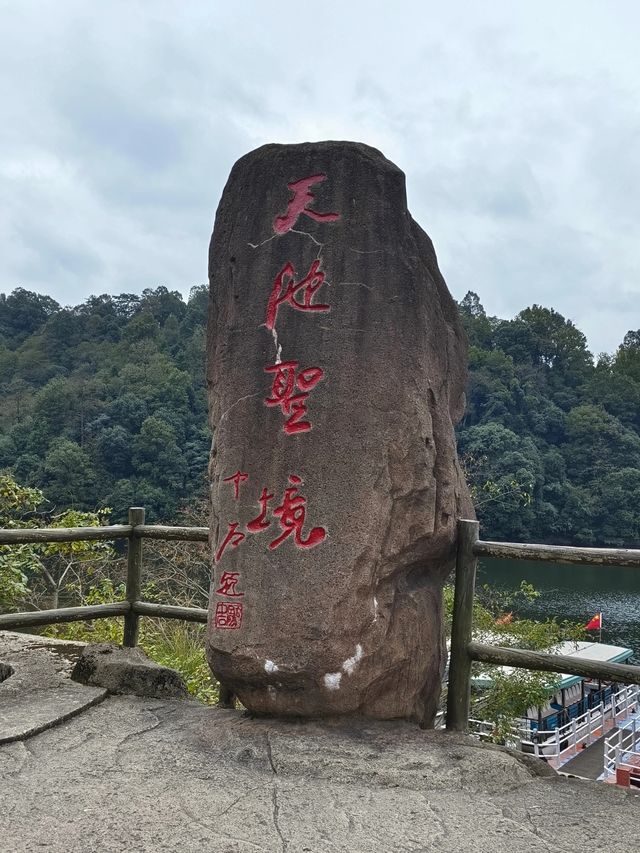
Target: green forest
{"type": "Point", "coordinates": [104, 405]}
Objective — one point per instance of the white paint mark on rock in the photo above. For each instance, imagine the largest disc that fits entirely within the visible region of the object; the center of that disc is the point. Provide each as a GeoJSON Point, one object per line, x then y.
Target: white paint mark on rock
{"type": "Point", "coordinates": [351, 663]}
{"type": "Point", "coordinates": [270, 666]}
{"type": "Point", "coordinates": [375, 609]}
{"type": "Point", "coordinates": [332, 680]}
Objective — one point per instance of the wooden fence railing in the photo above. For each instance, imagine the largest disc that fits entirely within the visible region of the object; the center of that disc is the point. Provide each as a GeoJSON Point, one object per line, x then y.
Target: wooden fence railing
{"type": "Point", "coordinates": [132, 608]}
{"type": "Point", "coordinates": [464, 651]}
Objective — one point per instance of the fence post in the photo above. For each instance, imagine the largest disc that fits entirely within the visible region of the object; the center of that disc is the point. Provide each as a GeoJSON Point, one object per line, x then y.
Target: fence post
{"type": "Point", "coordinates": [134, 570]}
{"type": "Point", "coordinates": [459, 690]}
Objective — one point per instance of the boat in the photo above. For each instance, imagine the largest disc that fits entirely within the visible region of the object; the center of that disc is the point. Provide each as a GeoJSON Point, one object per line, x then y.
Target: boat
{"type": "Point", "coordinates": [578, 711]}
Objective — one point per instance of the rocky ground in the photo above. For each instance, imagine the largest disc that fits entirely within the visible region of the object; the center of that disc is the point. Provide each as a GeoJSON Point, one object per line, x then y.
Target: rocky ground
{"type": "Point", "coordinates": [147, 774]}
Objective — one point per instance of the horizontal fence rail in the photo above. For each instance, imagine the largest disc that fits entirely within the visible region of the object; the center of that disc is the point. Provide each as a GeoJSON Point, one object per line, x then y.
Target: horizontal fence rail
{"type": "Point", "coordinates": [183, 534]}
{"type": "Point", "coordinates": [464, 651]}
{"type": "Point", "coordinates": [132, 608]}
{"type": "Point", "coordinates": [544, 662]}
{"type": "Point", "coordinates": [9, 621]}
{"type": "Point", "coordinates": [25, 536]}
{"type": "Point", "coordinates": [170, 611]}
{"type": "Point", "coordinates": [558, 554]}
{"type": "Point", "coordinates": [64, 534]}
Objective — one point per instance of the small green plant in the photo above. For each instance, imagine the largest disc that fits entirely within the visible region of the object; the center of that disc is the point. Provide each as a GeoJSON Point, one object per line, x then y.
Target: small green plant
{"type": "Point", "coordinates": [511, 693]}
{"type": "Point", "coordinates": [181, 646]}
{"type": "Point", "coordinates": [98, 630]}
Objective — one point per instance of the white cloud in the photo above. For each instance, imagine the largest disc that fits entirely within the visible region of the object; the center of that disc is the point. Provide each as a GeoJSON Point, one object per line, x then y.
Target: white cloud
{"type": "Point", "coordinates": [516, 125]}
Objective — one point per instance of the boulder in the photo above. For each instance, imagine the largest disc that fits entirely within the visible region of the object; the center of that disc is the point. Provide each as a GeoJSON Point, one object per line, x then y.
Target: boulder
{"type": "Point", "coordinates": [336, 374]}
{"type": "Point", "coordinates": [124, 670]}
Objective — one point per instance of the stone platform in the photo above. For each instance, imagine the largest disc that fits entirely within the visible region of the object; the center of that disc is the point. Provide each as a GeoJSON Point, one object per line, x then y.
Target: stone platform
{"type": "Point", "coordinates": [148, 774]}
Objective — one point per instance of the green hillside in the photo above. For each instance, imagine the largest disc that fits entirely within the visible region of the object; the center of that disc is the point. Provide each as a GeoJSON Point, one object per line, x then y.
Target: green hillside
{"type": "Point", "coordinates": [104, 404]}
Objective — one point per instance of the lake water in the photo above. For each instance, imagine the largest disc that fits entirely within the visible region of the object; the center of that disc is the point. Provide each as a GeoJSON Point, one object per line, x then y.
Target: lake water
{"type": "Point", "coordinates": [576, 593]}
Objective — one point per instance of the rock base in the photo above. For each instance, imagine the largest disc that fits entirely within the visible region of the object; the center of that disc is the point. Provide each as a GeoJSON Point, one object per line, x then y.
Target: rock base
{"type": "Point", "coordinates": [193, 778]}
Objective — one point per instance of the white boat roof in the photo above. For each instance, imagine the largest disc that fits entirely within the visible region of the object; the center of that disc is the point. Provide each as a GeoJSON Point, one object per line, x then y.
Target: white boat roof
{"type": "Point", "coordinates": [584, 650]}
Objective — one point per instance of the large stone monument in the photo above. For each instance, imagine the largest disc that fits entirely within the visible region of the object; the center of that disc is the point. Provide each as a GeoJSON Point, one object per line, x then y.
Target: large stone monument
{"type": "Point", "coordinates": [336, 373]}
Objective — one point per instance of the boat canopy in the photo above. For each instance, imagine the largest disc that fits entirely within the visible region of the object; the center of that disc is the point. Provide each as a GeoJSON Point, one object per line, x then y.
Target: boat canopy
{"type": "Point", "coordinates": [584, 650]}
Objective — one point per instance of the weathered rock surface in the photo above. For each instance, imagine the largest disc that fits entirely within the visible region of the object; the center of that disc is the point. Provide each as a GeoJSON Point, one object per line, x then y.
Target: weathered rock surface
{"type": "Point", "coordinates": [124, 670]}
{"type": "Point", "coordinates": [35, 690]}
{"type": "Point", "coordinates": [336, 371]}
{"type": "Point", "coordinates": [157, 775]}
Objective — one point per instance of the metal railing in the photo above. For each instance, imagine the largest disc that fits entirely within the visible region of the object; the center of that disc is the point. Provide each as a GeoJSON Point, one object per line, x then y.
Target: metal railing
{"type": "Point", "coordinates": [464, 651]}
{"type": "Point", "coordinates": [621, 748]}
{"type": "Point", "coordinates": [587, 728]}
{"type": "Point", "coordinates": [132, 608]}
{"type": "Point", "coordinates": [578, 733]}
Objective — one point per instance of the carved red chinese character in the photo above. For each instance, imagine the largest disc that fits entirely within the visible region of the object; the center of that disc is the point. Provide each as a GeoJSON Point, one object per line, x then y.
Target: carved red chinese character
{"type": "Point", "coordinates": [260, 523]}
{"type": "Point", "coordinates": [236, 479]}
{"type": "Point", "coordinates": [228, 614]}
{"type": "Point", "coordinates": [286, 287]}
{"type": "Point", "coordinates": [228, 585]}
{"type": "Point", "coordinates": [233, 538]}
{"type": "Point", "coordinates": [283, 393]}
{"type": "Point", "coordinates": [291, 514]}
{"type": "Point", "coordinates": [299, 205]}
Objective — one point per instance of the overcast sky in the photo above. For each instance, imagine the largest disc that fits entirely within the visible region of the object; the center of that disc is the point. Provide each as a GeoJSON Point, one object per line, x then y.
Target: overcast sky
{"type": "Point", "coordinates": [517, 123]}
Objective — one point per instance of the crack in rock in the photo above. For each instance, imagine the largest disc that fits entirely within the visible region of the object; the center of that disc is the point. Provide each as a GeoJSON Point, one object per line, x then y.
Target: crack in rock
{"type": "Point", "coordinates": [270, 755]}
{"type": "Point", "coordinates": [140, 732]}
{"type": "Point", "coordinates": [276, 814]}
{"type": "Point", "coordinates": [233, 405]}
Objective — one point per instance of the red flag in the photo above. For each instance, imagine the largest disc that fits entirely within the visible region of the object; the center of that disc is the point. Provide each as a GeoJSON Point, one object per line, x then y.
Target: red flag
{"type": "Point", "coordinates": [594, 624]}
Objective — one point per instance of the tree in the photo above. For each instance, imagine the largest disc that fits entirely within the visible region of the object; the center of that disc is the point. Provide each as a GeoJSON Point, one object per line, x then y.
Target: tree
{"type": "Point", "coordinates": [197, 306]}
{"type": "Point", "coordinates": [162, 303]}
{"type": "Point", "coordinates": [68, 565]}
{"type": "Point", "coordinates": [616, 392]}
{"type": "Point", "coordinates": [510, 694]}
{"type": "Point", "coordinates": [143, 326]}
{"type": "Point", "coordinates": [17, 504]}
{"type": "Point", "coordinates": [597, 444]}
{"type": "Point", "coordinates": [156, 454]}
{"type": "Point", "coordinates": [44, 569]}
{"type": "Point", "coordinates": [493, 391]}
{"type": "Point", "coordinates": [627, 360]}
{"type": "Point", "coordinates": [503, 470]}
{"type": "Point", "coordinates": [23, 312]}
{"type": "Point", "coordinates": [52, 413]}
{"type": "Point", "coordinates": [557, 343]}
{"type": "Point", "coordinates": [477, 325]}
{"type": "Point", "coordinates": [68, 474]}
{"type": "Point", "coordinates": [112, 451]}
{"type": "Point", "coordinates": [617, 508]}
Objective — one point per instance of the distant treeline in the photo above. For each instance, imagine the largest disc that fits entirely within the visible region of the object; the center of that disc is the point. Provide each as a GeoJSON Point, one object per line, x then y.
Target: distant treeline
{"type": "Point", "coordinates": [551, 439]}
{"type": "Point", "coordinates": [105, 404]}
